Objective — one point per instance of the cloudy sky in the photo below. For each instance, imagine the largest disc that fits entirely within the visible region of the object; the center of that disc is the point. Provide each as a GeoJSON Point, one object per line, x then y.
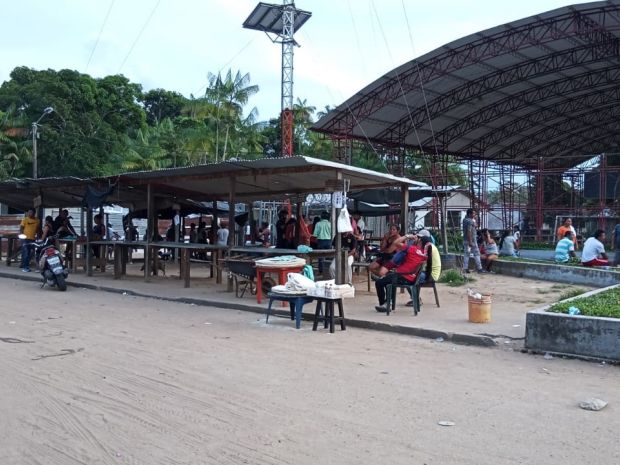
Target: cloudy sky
{"type": "Point", "coordinates": [174, 44]}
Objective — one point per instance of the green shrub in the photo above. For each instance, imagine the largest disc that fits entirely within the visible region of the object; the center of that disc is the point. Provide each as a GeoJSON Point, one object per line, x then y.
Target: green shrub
{"type": "Point", "coordinates": [604, 304]}
{"type": "Point", "coordinates": [454, 278]}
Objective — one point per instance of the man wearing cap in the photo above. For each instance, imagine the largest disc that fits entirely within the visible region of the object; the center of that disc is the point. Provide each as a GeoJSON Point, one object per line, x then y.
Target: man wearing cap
{"type": "Point", "coordinates": [414, 258]}
{"type": "Point", "coordinates": [433, 268]}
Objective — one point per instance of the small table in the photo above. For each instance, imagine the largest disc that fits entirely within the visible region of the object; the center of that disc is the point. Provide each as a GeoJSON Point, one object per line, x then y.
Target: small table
{"type": "Point", "coordinates": [296, 304]}
{"type": "Point", "coordinates": [328, 317]}
{"type": "Point", "coordinates": [282, 271]}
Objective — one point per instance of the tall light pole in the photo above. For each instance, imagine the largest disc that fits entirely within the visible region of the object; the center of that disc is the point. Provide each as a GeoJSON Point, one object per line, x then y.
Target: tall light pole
{"type": "Point", "coordinates": [35, 133]}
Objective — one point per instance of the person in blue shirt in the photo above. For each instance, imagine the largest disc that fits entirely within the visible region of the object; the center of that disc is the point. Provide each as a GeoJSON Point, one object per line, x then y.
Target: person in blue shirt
{"type": "Point", "coordinates": [565, 248]}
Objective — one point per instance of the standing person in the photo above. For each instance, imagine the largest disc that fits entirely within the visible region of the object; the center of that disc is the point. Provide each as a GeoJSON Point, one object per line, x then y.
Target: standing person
{"type": "Point", "coordinates": [323, 234]}
{"type": "Point", "coordinates": [615, 243]}
{"type": "Point", "coordinates": [470, 247]}
{"type": "Point", "coordinates": [594, 251]}
{"type": "Point", "coordinates": [30, 228]}
{"type": "Point", "coordinates": [281, 229]}
{"type": "Point", "coordinates": [565, 248]}
{"type": "Point", "coordinates": [222, 235]}
{"type": "Point", "coordinates": [567, 226]}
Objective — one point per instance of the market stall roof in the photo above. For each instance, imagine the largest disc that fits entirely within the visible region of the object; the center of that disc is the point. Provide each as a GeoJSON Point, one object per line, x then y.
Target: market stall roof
{"type": "Point", "coordinates": [263, 179]}
{"type": "Point", "coordinates": [541, 88]}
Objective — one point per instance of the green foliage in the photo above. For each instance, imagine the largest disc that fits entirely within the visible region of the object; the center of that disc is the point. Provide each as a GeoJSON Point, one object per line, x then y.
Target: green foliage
{"type": "Point", "coordinates": [454, 278]}
{"type": "Point", "coordinates": [603, 304]}
{"type": "Point", "coordinates": [108, 125]}
{"type": "Point", "coordinates": [569, 293]}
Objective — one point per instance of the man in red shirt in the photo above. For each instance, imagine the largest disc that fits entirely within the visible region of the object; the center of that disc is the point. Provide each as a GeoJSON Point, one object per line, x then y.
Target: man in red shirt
{"type": "Point", "coordinates": [406, 272]}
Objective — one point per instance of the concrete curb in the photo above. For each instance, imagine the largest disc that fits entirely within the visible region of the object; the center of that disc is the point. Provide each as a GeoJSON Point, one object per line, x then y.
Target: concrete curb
{"type": "Point", "coordinates": [456, 338]}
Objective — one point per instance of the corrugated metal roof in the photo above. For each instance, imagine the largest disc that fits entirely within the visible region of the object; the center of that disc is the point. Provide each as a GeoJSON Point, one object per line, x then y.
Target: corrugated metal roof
{"type": "Point", "coordinates": [544, 86]}
{"type": "Point", "coordinates": [264, 179]}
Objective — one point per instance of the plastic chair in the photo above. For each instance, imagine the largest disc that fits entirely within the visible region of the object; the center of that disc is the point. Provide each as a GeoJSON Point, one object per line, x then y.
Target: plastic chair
{"type": "Point", "coordinates": [430, 283]}
{"type": "Point", "coordinates": [412, 287]}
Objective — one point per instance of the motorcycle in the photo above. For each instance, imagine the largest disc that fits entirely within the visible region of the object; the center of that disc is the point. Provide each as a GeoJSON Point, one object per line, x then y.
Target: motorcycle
{"type": "Point", "coordinates": [50, 263]}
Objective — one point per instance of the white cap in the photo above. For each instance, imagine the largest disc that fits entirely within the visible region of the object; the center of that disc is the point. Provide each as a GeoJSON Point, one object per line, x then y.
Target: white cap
{"type": "Point", "coordinates": [424, 233]}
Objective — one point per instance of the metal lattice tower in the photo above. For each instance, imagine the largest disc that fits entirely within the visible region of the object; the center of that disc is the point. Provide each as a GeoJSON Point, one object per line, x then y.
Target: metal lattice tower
{"type": "Point", "coordinates": [281, 21]}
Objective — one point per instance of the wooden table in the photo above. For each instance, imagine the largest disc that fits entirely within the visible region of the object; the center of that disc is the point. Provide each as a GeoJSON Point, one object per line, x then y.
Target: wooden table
{"type": "Point", "coordinates": [121, 249]}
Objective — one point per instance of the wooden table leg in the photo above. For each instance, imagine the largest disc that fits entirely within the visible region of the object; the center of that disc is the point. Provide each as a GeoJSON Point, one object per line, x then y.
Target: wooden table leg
{"type": "Point", "coordinates": [185, 266]}
{"type": "Point", "coordinates": [259, 286]}
{"type": "Point", "coordinates": [341, 313]}
{"type": "Point", "coordinates": [118, 265]}
{"type": "Point", "coordinates": [330, 305]}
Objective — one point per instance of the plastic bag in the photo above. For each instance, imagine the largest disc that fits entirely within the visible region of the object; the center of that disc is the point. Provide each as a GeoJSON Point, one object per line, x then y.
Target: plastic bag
{"type": "Point", "coordinates": [344, 221]}
{"type": "Point", "coordinates": [298, 282]}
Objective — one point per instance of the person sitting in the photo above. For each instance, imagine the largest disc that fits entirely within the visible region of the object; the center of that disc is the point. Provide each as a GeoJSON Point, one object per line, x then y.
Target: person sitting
{"type": "Point", "coordinates": [389, 245]}
{"type": "Point", "coordinates": [565, 248]}
{"type": "Point", "coordinates": [193, 236]}
{"type": "Point", "coordinates": [594, 251]}
{"type": "Point", "coordinates": [48, 228]}
{"type": "Point", "coordinates": [433, 258]}
{"type": "Point", "coordinates": [62, 225]}
{"type": "Point", "coordinates": [566, 227]}
{"type": "Point", "coordinates": [508, 245]}
{"type": "Point", "coordinates": [347, 242]}
{"type": "Point", "coordinates": [414, 257]}
{"type": "Point", "coordinates": [432, 271]}
{"type": "Point", "coordinates": [488, 250]}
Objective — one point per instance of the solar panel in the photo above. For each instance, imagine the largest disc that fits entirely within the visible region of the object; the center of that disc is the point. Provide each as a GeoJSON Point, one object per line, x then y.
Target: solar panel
{"type": "Point", "coordinates": [267, 17]}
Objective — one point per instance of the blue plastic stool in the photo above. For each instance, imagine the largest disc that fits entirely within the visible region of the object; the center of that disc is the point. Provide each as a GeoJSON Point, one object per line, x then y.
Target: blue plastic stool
{"type": "Point", "coordinates": [295, 302]}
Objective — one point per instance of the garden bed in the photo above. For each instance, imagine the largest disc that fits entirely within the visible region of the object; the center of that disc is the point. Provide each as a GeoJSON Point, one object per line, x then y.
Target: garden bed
{"type": "Point", "coordinates": [552, 330]}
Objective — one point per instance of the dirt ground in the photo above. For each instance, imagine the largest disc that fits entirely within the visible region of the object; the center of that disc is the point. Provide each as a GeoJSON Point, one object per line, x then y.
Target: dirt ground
{"type": "Point", "coordinates": [96, 378]}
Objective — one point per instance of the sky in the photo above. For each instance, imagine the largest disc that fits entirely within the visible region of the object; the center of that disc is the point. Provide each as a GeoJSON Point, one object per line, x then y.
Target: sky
{"type": "Point", "coordinates": [175, 44]}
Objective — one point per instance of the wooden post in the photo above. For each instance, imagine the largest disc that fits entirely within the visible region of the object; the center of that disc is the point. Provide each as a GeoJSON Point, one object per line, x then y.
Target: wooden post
{"type": "Point", "coordinates": [89, 234]}
{"type": "Point", "coordinates": [443, 202]}
{"type": "Point", "coordinates": [150, 231]}
{"type": "Point", "coordinates": [231, 231]}
{"type": "Point", "coordinates": [404, 209]}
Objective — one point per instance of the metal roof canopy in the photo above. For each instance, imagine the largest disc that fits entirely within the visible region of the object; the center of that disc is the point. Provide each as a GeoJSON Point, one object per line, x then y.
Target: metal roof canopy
{"type": "Point", "coordinates": [267, 17]}
{"type": "Point", "coordinates": [264, 179]}
{"type": "Point", "coordinates": [545, 86]}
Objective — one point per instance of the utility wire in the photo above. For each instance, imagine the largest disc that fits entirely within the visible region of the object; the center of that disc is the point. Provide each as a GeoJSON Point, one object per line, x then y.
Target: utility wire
{"type": "Point", "coordinates": [105, 20]}
{"type": "Point", "coordinates": [139, 35]}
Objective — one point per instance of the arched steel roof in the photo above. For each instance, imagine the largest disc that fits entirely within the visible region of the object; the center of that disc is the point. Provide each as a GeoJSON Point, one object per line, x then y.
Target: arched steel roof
{"type": "Point", "coordinates": [545, 86]}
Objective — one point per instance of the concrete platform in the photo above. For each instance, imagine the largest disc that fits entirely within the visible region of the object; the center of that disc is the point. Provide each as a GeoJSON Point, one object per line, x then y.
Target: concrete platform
{"type": "Point", "coordinates": [512, 299]}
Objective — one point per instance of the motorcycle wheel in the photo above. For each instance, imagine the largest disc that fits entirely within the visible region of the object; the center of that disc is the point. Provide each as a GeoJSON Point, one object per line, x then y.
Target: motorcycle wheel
{"type": "Point", "coordinates": [61, 283]}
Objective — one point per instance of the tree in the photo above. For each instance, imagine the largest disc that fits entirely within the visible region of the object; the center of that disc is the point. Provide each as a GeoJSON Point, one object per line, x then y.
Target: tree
{"type": "Point", "coordinates": [14, 153]}
{"type": "Point", "coordinates": [85, 134]}
{"type": "Point", "coordinates": [160, 104]}
{"type": "Point", "coordinates": [229, 95]}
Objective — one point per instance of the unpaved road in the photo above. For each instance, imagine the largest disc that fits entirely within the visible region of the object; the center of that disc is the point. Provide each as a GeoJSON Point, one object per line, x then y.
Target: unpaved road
{"type": "Point", "coordinates": [95, 378]}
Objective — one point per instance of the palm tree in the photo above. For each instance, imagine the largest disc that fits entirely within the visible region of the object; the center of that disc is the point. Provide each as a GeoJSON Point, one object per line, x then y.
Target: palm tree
{"type": "Point", "coordinates": [303, 120]}
{"type": "Point", "coordinates": [144, 153]}
{"type": "Point", "coordinates": [14, 151]}
{"type": "Point", "coordinates": [229, 95]}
